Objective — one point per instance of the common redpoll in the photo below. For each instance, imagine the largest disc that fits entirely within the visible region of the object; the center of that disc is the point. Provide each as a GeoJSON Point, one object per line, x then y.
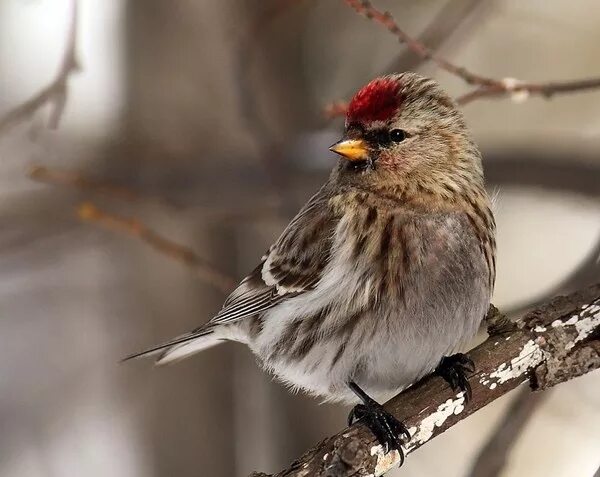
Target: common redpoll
{"type": "Point", "coordinates": [385, 271]}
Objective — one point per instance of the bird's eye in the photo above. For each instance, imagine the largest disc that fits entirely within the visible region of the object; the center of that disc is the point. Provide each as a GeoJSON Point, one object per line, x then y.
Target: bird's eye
{"type": "Point", "coordinates": [397, 135]}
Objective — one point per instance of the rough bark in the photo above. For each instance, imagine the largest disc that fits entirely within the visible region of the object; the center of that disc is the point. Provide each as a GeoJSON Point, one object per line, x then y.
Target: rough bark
{"type": "Point", "coordinates": [552, 344]}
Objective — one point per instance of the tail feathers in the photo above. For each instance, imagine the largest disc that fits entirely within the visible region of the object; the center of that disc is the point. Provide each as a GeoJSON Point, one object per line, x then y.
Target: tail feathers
{"type": "Point", "coordinates": [180, 347]}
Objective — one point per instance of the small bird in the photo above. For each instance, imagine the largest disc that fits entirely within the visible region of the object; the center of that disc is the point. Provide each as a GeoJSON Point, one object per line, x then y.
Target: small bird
{"type": "Point", "coordinates": [384, 273]}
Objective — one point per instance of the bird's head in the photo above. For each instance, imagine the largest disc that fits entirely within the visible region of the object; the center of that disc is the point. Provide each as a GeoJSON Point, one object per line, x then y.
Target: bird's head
{"type": "Point", "coordinates": [404, 128]}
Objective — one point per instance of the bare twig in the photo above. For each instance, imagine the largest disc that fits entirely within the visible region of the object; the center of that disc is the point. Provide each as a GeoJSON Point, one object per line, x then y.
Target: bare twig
{"type": "Point", "coordinates": [385, 19]}
{"type": "Point", "coordinates": [520, 90]}
{"type": "Point", "coordinates": [264, 209]}
{"type": "Point", "coordinates": [552, 344]}
{"type": "Point", "coordinates": [135, 228]}
{"type": "Point", "coordinates": [485, 86]}
{"type": "Point", "coordinates": [55, 93]}
{"type": "Point", "coordinates": [77, 180]}
{"type": "Point", "coordinates": [445, 23]}
{"type": "Point", "coordinates": [442, 26]}
{"type": "Point", "coordinates": [494, 454]}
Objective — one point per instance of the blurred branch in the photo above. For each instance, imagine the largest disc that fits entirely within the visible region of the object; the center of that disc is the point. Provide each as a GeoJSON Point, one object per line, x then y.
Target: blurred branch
{"type": "Point", "coordinates": [335, 109]}
{"type": "Point", "coordinates": [266, 209]}
{"type": "Point", "coordinates": [445, 23]}
{"type": "Point", "coordinates": [77, 180]}
{"type": "Point", "coordinates": [385, 19]}
{"type": "Point", "coordinates": [135, 228]}
{"type": "Point", "coordinates": [55, 93]}
{"type": "Point", "coordinates": [492, 458]}
{"type": "Point", "coordinates": [250, 40]}
{"type": "Point", "coordinates": [485, 87]}
{"type": "Point", "coordinates": [552, 344]}
{"type": "Point", "coordinates": [597, 474]}
{"type": "Point", "coordinates": [585, 273]}
{"type": "Point", "coordinates": [571, 173]}
{"type": "Point", "coordinates": [520, 90]}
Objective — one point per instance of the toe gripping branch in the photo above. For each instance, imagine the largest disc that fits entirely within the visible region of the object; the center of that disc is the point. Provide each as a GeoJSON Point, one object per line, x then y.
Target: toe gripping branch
{"type": "Point", "coordinates": [454, 369]}
{"type": "Point", "coordinates": [389, 431]}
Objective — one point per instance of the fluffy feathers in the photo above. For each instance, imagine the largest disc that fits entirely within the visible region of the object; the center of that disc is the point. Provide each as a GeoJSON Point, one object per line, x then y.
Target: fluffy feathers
{"type": "Point", "coordinates": [387, 269]}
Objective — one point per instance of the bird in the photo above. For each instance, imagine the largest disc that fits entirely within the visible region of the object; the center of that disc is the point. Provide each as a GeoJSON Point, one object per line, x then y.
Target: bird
{"type": "Point", "coordinates": [384, 274]}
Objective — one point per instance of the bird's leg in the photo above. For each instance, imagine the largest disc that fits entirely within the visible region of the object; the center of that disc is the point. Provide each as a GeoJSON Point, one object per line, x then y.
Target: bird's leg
{"type": "Point", "coordinates": [390, 432]}
{"type": "Point", "coordinates": [454, 370]}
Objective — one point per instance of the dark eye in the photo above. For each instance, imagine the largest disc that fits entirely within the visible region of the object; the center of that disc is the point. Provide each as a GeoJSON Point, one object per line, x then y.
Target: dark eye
{"type": "Point", "coordinates": [397, 135]}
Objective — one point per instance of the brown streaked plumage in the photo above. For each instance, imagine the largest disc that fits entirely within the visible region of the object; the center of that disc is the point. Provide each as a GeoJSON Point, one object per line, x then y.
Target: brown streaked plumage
{"type": "Point", "coordinates": [386, 270]}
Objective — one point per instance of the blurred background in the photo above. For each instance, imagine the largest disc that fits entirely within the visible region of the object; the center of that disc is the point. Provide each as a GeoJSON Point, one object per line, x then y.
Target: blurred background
{"type": "Point", "coordinates": [193, 131]}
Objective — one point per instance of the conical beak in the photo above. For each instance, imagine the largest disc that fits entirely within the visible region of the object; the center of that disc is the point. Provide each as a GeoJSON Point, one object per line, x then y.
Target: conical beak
{"type": "Point", "coordinates": [351, 149]}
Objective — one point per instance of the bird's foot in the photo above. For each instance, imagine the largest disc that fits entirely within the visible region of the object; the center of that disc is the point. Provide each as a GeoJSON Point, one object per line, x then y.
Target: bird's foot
{"type": "Point", "coordinates": [454, 370]}
{"type": "Point", "coordinates": [389, 431]}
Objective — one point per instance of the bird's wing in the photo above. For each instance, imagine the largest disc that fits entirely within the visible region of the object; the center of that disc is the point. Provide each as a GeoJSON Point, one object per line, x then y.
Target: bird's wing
{"type": "Point", "coordinates": [292, 266]}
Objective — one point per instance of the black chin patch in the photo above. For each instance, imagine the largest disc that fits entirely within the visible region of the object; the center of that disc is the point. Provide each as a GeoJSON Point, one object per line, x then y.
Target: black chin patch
{"type": "Point", "coordinates": [359, 166]}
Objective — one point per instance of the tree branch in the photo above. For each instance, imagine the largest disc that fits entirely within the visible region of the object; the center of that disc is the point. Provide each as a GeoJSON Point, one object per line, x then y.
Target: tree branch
{"type": "Point", "coordinates": [552, 344]}
{"type": "Point", "coordinates": [54, 93]}
{"type": "Point", "coordinates": [135, 228]}
{"type": "Point", "coordinates": [519, 91]}
{"type": "Point", "coordinates": [485, 86]}
{"type": "Point", "coordinates": [77, 180]}
{"type": "Point", "coordinates": [442, 26]}
{"type": "Point", "coordinates": [445, 23]}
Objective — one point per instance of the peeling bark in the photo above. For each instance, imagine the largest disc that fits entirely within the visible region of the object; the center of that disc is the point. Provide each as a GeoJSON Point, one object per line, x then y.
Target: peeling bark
{"type": "Point", "coordinates": [552, 344]}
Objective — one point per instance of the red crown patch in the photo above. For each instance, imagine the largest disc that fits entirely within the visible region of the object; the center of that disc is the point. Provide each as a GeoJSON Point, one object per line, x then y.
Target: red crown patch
{"type": "Point", "coordinates": [377, 101]}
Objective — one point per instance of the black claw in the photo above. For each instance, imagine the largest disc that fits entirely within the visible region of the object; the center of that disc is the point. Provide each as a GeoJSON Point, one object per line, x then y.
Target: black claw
{"type": "Point", "coordinates": [389, 431]}
{"type": "Point", "coordinates": [454, 370]}
{"type": "Point", "coordinates": [356, 414]}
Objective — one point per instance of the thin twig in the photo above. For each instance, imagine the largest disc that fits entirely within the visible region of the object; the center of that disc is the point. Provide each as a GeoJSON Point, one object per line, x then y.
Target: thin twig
{"type": "Point", "coordinates": [265, 209]}
{"type": "Point", "coordinates": [135, 228]}
{"type": "Point", "coordinates": [520, 91]}
{"type": "Point", "coordinates": [445, 23]}
{"type": "Point", "coordinates": [485, 86]}
{"type": "Point", "coordinates": [55, 93]}
{"type": "Point", "coordinates": [385, 19]}
{"type": "Point", "coordinates": [493, 456]}
{"type": "Point", "coordinates": [77, 180]}
{"type": "Point", "coordinates": [552, 344]}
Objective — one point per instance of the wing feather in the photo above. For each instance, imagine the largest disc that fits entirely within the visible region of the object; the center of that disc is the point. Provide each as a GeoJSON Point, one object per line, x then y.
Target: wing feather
{"type": "Point", "coordinates": [293, 265]}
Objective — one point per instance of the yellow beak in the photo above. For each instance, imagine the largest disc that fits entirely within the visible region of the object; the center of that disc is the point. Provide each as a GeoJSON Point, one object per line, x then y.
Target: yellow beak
{"type": "Point", "coordinates": [351, 149]}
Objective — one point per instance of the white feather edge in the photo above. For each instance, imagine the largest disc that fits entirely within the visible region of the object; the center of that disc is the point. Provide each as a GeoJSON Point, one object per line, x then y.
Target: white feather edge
{"type": "Point", "coordinates": [183, 350]}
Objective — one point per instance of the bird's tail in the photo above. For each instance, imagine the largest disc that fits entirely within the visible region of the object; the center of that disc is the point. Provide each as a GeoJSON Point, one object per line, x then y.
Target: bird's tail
{"type": "Point", "coordinates": [181, 347]}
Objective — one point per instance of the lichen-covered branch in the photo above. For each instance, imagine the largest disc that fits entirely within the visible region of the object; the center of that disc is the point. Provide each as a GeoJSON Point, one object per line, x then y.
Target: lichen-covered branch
{"type": "Point", "coordinates": [554, 343]}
